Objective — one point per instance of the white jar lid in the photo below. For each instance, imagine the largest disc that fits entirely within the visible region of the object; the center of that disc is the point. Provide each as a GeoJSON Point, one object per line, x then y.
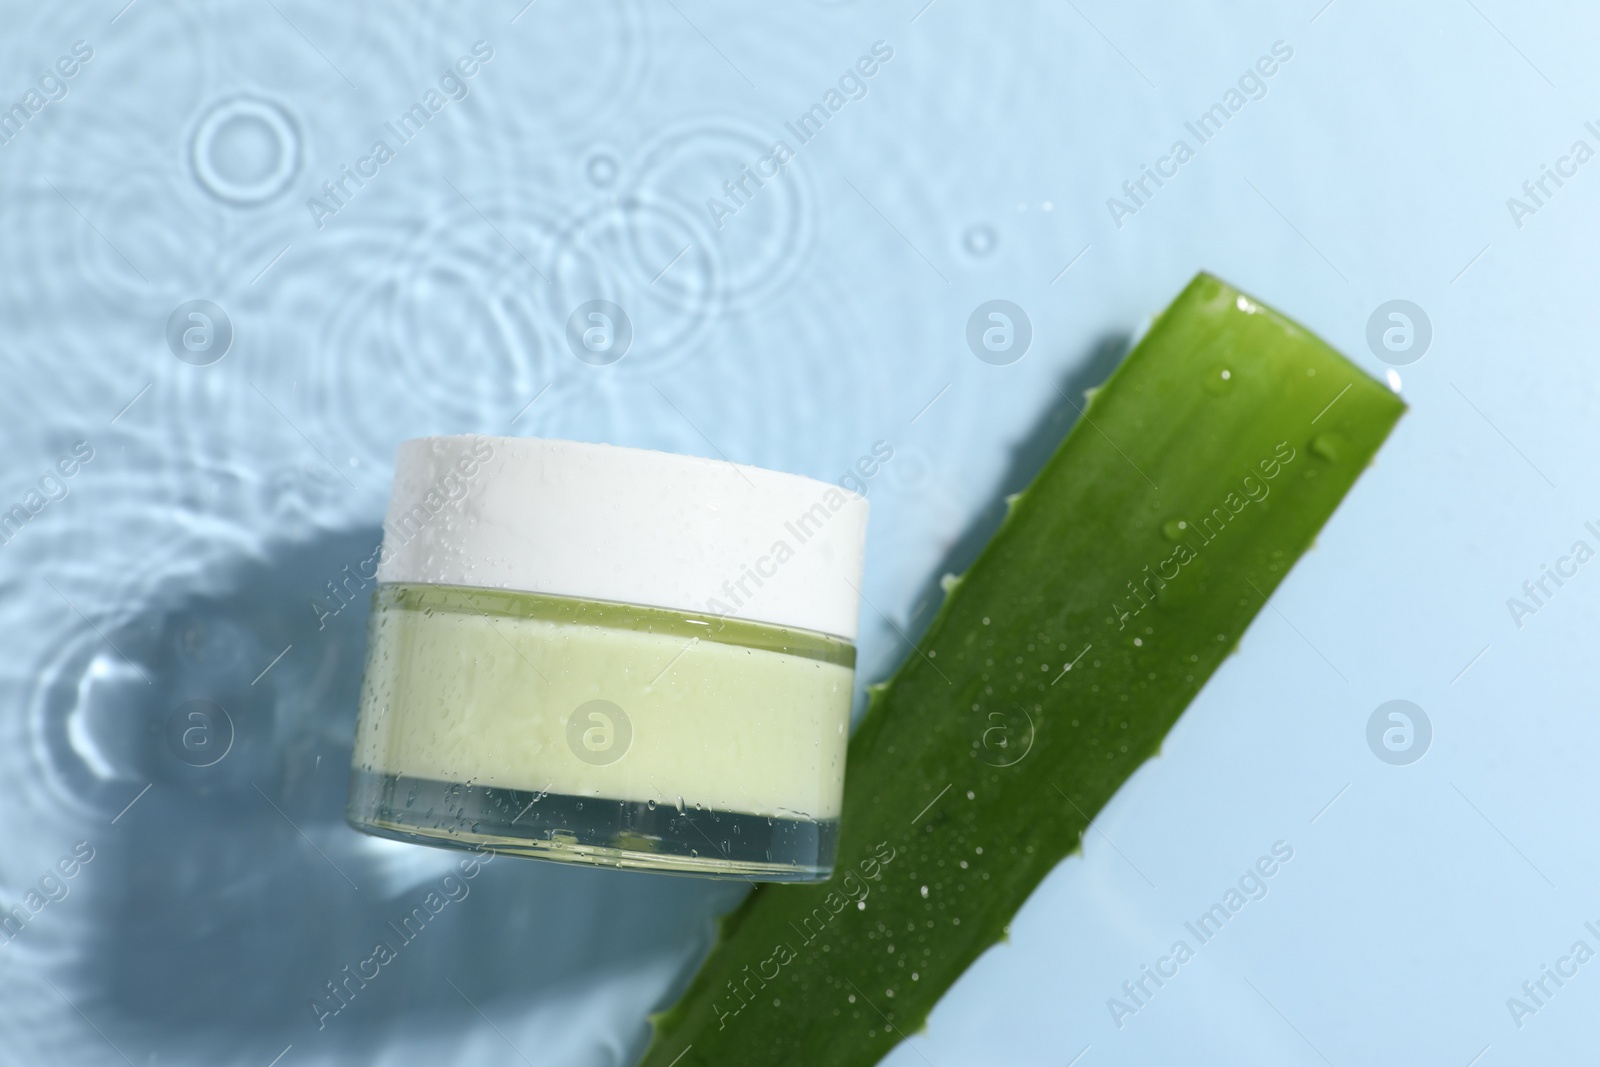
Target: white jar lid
{"type": "Point", "coordinates": [629, 525]}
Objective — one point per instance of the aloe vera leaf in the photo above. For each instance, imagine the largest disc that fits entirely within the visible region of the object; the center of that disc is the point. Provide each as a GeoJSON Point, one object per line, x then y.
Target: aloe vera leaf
{"type": "Point", "coordinates": [1227, 418]}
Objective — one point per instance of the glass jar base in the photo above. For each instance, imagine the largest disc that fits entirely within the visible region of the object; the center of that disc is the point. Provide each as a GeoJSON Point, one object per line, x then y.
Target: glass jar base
{"type": "Point", "coordinates": [622, 834]}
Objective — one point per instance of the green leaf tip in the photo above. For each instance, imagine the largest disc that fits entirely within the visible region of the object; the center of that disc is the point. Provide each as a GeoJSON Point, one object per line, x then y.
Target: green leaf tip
{"type": "Point", "coordinates": [1206, 466]}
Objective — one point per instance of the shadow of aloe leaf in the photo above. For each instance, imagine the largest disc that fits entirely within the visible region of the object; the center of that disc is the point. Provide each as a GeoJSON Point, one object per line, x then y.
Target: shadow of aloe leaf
{"type": "Point", "coordinates": [1028, 457]}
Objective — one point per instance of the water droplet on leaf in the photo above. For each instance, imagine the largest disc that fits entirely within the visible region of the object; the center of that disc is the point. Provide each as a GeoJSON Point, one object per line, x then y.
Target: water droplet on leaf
{"type": "Point", "coordinates": [1329, 446]}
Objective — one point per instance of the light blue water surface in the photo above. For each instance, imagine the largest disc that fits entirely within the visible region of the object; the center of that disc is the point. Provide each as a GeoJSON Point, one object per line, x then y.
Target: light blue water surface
{"type": "Point", "coordinates": [794, 327]}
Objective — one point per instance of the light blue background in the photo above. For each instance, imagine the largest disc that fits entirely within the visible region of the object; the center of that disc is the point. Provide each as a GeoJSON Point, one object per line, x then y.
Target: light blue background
{"type": "Point", "coordinates": [823, 317]}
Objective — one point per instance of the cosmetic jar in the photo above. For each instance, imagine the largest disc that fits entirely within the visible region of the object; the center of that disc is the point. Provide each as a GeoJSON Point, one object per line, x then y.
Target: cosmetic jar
{"type": "Point", "coordinates": [610, 656]}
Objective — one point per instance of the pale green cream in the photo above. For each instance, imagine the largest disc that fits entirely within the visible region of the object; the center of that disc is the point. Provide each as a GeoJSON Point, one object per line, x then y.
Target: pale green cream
{"type": "Point", "coordinates": [479, 687]}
